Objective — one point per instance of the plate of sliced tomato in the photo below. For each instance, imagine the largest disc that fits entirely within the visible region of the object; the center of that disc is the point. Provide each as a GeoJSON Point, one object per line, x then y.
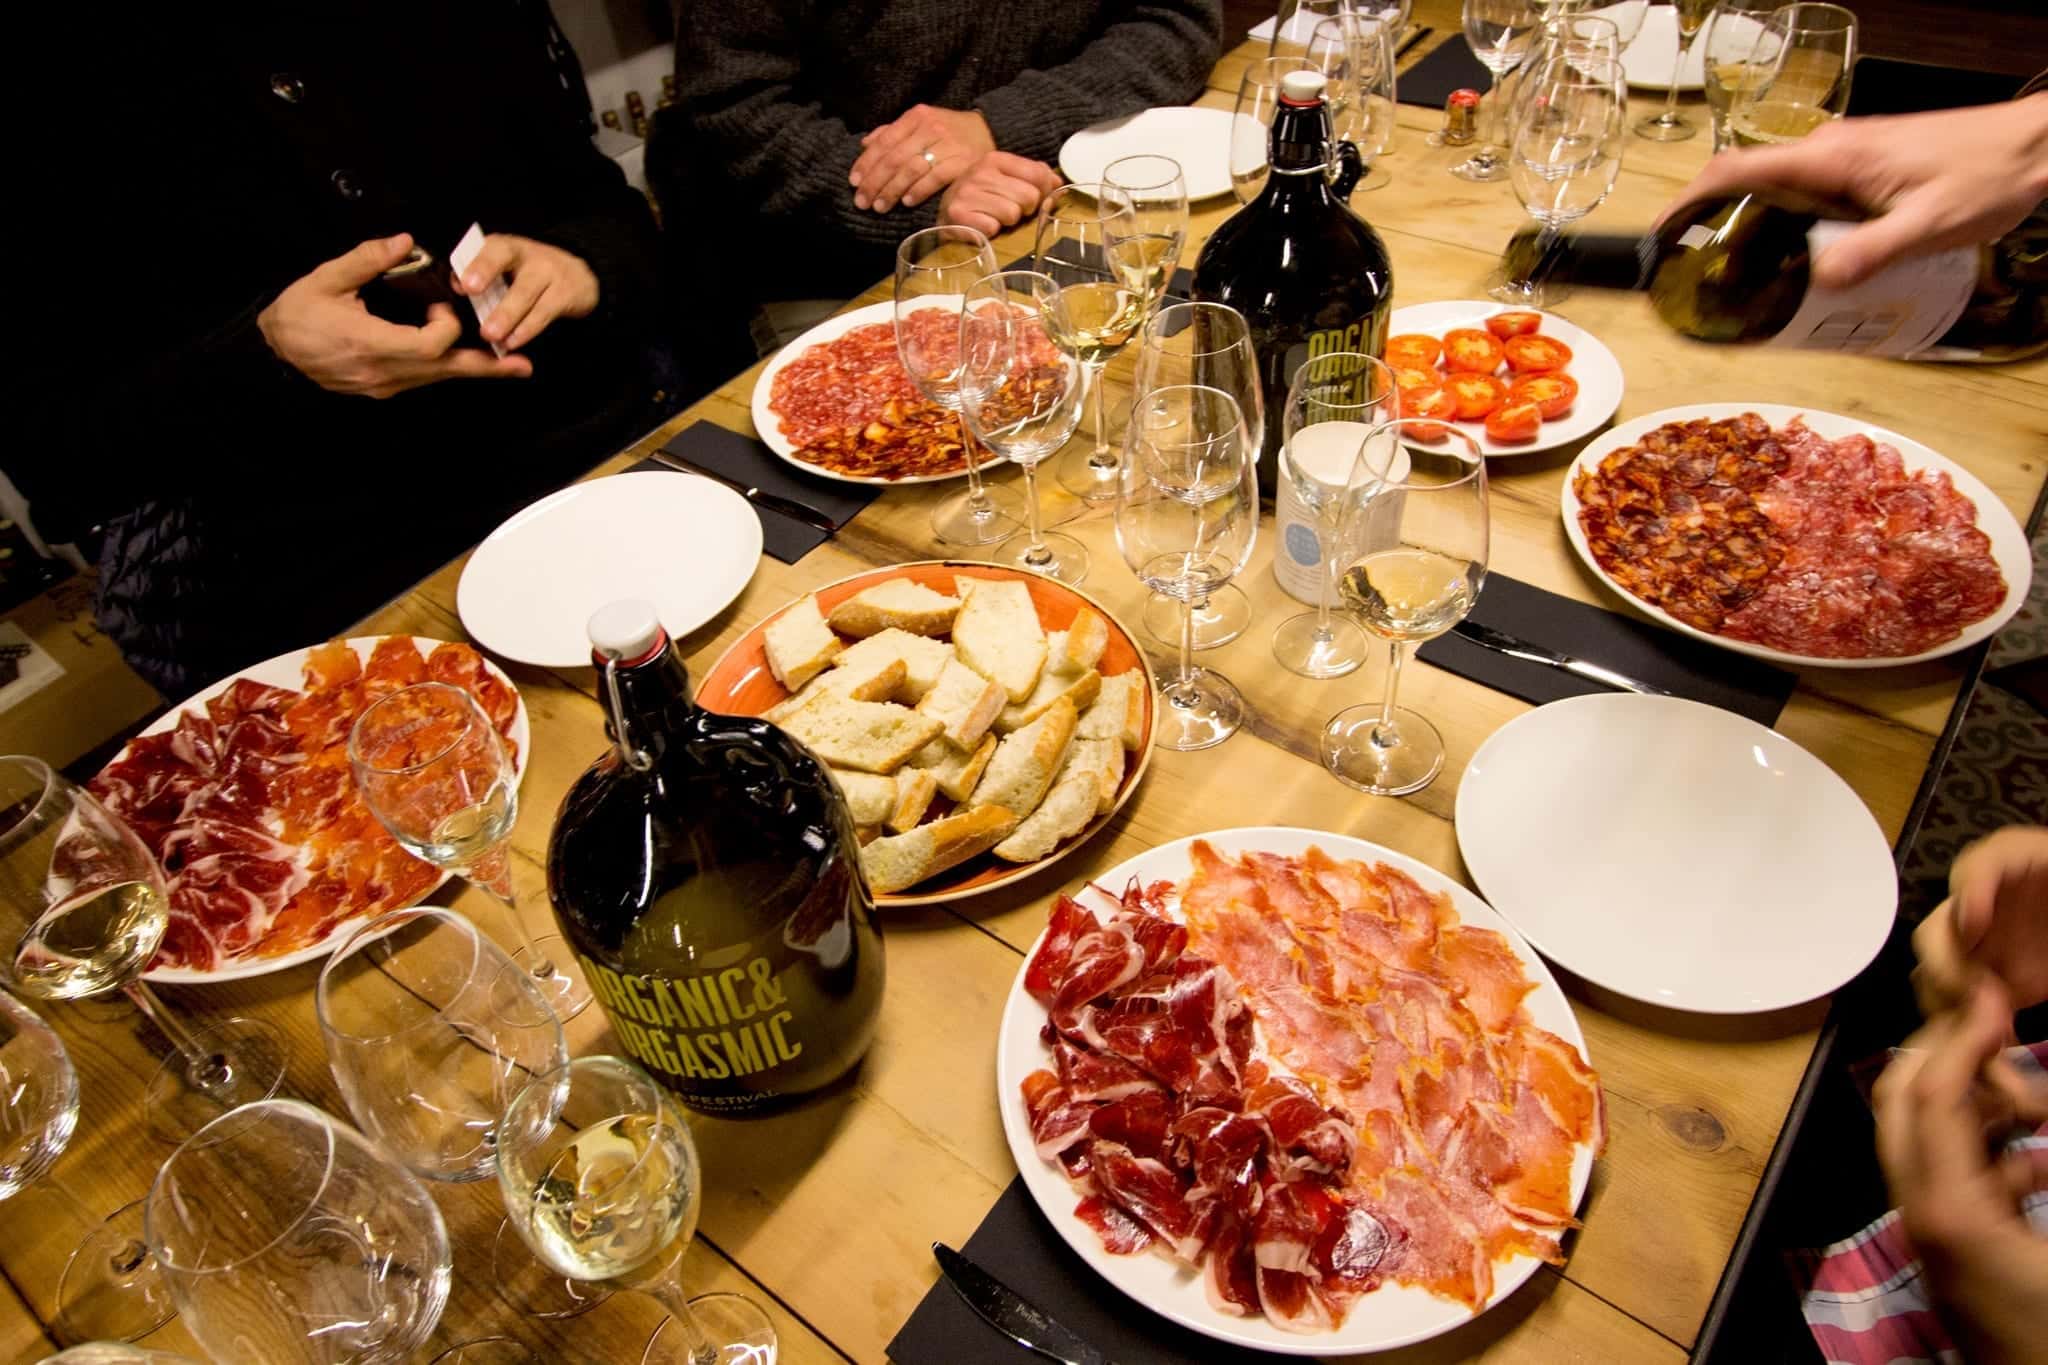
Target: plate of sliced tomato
{"type": "Point", "coordinates": [1513, 379]}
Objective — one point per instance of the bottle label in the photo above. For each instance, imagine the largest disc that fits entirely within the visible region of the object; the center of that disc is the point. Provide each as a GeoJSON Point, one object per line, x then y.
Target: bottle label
{"type": "Point", "coordinates": [1904, 308]}
{"type": "Point", "coordinates": [1298, 563]}
{"type": "Point", "coordinates": [695, 1031]}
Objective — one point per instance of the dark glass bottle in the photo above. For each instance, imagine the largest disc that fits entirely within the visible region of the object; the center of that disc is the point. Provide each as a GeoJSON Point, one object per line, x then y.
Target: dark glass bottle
{"type": "Point", "coordinates": [1309, 275]}
{"type": "Point", "coordinates": [706, 873]}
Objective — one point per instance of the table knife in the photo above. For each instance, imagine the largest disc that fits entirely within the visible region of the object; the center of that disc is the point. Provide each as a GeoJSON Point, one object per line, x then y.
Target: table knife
{"type": "Point", "coordinates": [1501, 643]}
{"type": "Point", "coordinates": [1004, 1309]}
{"type": "Point", "coordinates": [1414, 36]}
{"type": "Point", "coordinates": [767, 502]}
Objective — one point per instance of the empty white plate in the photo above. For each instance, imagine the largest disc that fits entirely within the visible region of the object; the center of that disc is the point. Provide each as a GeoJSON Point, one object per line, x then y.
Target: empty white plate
{"type": "Point", "coordinates": [686, 544]}
{"type": "Point", "coordinates": [1199, 139]}
{"type": "Point", "coordinates": [1676, 853]}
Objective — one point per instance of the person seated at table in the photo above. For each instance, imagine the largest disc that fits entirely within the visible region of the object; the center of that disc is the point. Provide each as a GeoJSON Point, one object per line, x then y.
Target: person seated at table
{"type": "Point", "coordinates": [808, 140]}
{"type": "Point", "coordinates": [270, 461]}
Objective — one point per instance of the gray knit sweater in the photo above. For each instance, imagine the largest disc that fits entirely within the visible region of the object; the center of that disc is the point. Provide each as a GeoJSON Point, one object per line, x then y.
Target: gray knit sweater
{"type": "Point", "coordinates": [775, 94]}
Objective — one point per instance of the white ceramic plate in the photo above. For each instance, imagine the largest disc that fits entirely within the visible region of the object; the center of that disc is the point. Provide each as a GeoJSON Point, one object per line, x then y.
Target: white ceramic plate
{"type": "Point", "coordinates": [1712, 865]}
{"type": "Point", "coordinates": [686, 544]}
{"type": "Point", "coordinates": [1199, 139]}
{"type": "Point", "coordinates": [1648, 60]}
{"type": "Point", "coordinates": [289, 670]}
{"type": "Point", "coordinates": [1593, 366]}
{"type": "Point", "coordinates": [1387, 1317]}
{"type": "Point", "coordinates": [2008, 543]}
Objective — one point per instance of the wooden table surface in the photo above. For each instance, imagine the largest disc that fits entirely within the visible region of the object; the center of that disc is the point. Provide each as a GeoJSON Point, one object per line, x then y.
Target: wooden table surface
{"type": "Point", "coordinates": [826, 1213]}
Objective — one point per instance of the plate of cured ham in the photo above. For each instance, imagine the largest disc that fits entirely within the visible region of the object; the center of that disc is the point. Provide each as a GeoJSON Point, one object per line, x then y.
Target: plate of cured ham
{"type": "Point", "coordinates": [243, 793]}
{"type": "Point", "coordinates": [1297, 1092]}
{"type": "Point", "coordinates": [1802, 537]}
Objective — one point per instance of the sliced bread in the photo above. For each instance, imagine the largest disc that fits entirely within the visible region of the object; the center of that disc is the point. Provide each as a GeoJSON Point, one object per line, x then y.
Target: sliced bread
{"type": "Point", "coordinates": [799, 644]}
{"type": "Point", "coordinates": [872, 737]}
{"type": "Point", "coordinates": [898, 604]}
{"type": "Point", "coordinates": [1026, 761]}
{"type": "Point", "coordinates": [1119, 711]}
{"type": "Point", "coordinates": [915, 789]}
{"type": "Point", "coordinates": [872, 680]}
{"type": "Point", "coordinates": [1065, 812]}
{"type": "Point", "coordinates": [964, 702]}
{"type": "Point", "coordinates": [1080, 689]}
{"type": "Point", "coordinates": [870, 797]}
{"type": "Point", "coordinates": [1079, 647]}
{"type": "Point", "coordinates": [956, 772]}
{"type": "Point", "coordinates": [1103, 762]}
{"type": "Point", "coordinates": [903, 860]}
{"type": "Point", "coordinates": [923, 659]}
{"type": "Point", "coordinates": [997, 634]}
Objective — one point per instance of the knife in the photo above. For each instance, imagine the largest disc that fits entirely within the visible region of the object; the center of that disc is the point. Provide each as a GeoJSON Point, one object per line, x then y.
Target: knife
{"type": "Point", "coordinates": [767, 502]}
{"type": "Point", "coordinates": [1004, 1309]}
{"type": "Point", "coordinates": [1500, 643]}
{"type": "Point", "coordinates": [1415, 35]}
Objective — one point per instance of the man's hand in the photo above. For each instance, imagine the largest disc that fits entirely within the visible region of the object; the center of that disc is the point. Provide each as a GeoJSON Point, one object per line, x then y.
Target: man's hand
{"type": "Point", "coordinates": [1000, 191]}
{"type": "Point", "coordinates": [319, 327]}
{"type": "Point", "coordinates": [1995, 921]}
{"type": "Point", "coordinates": [546, 283]}
{"type": "Point", "coordinates": [893, 169]}
{"type": "Point", "coordinates": [1952, 178]}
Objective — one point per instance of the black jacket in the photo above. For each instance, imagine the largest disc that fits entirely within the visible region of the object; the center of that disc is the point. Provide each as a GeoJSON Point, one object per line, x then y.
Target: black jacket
{"type": "Point", "coordinates": [242, 144]}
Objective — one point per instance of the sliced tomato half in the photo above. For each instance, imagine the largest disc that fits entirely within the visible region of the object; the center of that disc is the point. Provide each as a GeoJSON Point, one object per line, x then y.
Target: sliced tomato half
{"type": "Point", "coordinates": [1536, 355]}
{"type": "Point", "coordinates": [1409, 379]}
{"type": "Point", "coordinates": [1471, 350]}
{"type": "Point", "coordinates": [1424, 412]}
{"type": "Point", "coordinates": [1513, 422]}
{"type": "Point", "coordinates": [1553, 394]}
{"type": "Point", "coordinates": [1506, 325]}
{"type": "Point", "coordinates": [1475, 394]}
{"type": "Point", "coordinates": [1413, 351]}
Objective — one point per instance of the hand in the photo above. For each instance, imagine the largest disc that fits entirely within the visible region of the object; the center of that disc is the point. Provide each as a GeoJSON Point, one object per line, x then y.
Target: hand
{"type": "Point", "coordinates": [1952, 178]}
{"type": "Point", "coordinates": [1995, 921]}
{"type": "Point", "coordinates": [1000, 191]}
{"type": "Point", "coordinates": [319, 327]}
{"type": "Point", "coordinates": [892, 168]}
{"type": "Point", "coordinates": [546, 283]}
{"type": "Point", "coordinates": [1959, 1207]}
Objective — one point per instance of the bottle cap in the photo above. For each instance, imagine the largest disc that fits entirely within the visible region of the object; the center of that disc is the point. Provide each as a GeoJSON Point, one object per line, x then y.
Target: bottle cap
{"type": "Point", "coordinates": [1301, 87]}
{"type": "Point", "coordinates": [628, 631]}
{"type": "Point", "coordinates": [1465, 99]}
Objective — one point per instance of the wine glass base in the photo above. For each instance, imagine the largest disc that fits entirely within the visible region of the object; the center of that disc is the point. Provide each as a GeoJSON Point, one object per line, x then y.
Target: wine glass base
{"type": "Point", "coordinates": [1677, 128]}
{"type": "Point", "coordinates": [739, 1332]}
{"type": "Point", "coordinates": [1358, 755]}
{"type": "Point", "coordinates": [1080, 474]}
{"type": "Point", "coordinates": [1305, 645]}
{"type": "Point", "coordinates": [245, 1061]}
{"type": "Point", "coordinates": [1199, 714]}
{"type": "Point", "coordinates": [1482, 167]}
{"type": "Point", "coordinates": [534, 1288]}
{"type": "Point", "coordinates": [956, 522]}
{"type": "Point", "coordinates": [563, 990]}
{"type": "Point", "coordinates": [1065, 557]}
{"type": "Point", "coordinates": [1375, 178]}
{"type": "Point", "coordinates": [1528, 293]}
{"type": "Point", "coordinates": [1222, 617]}
{"type": "Point", "coordinates": [110, 1290]}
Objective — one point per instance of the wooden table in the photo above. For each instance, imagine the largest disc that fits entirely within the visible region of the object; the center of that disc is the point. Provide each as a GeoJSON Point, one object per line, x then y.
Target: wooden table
{"type": "Point", "coordinates": [825, 1214]}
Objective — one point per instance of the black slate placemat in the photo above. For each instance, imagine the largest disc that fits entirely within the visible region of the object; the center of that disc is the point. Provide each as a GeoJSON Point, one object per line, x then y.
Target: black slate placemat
{"type": "Point", "coordinates": [1451, 67]}
{"type": "Point", "coordinates": [1685, 667]}
{"type": "Point", "coordinates": [710, 446]}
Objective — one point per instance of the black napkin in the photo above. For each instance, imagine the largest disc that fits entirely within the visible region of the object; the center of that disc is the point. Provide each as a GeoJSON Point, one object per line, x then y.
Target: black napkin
{"type": "Point", "coordinates": [709, 446]}
{"type": "Point", "coordinates": [1016, 1245]}
{"type": "Point", "coordinates": [1885, 85]}
{"type": "Point", "coordinates": [1663, 658]}
{"type": "Point", "coordinates": [1088, 257]}
{"type": "Point", "coordinates": [1451, 67]}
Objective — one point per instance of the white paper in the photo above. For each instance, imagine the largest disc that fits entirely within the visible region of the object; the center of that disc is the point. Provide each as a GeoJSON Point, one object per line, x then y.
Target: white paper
{"type": "Point", "coordinates": [487, 302]}
{"type": "Point", "coordinates": [24, 668]}
{"type": "Point", "coordinates": [1300, 28]}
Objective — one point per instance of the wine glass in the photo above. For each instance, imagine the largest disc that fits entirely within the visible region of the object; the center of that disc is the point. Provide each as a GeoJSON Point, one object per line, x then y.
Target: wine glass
{"type": "Point", "coordinates": [1670, 125]}
{"type": "Point", "coordinates": [934, 267]}
{"type": "Point", "coordinates": [1297, 20]}
{"type": "Point", "coordinates": [1564, 154]}
{"type": "Point", "coordinates": [286, 1235]}
{"type": "Point", "coordinates": [1356, 56]}
{"type": "Point", "coordinates": [1725, 45]}
{"type": "Point", "coordinates": [1187, 515]}
{"type": "Point", "coordinates": [1626, 15]}
{"type": "Point", "coordinates": [1413, 540]}
{"type": "Point", "coordinates": [1799, 73]}
{"type": "Point", "coordinates": [1089, 242]}
{"type": "Point", "coordinates": [1333, 401]}
{"type": "Point", "coordinates": [434, 771]}
{"type": "Point", "coordinates": [1149, 251]}
{"type": "Point", "coordinates": [1251, 123]}
{"type": "Point", "coordinates": [38, 1096]}
{"type": "Point", "coordinates": [601, 1177]}
{"type": "Point", "coordinates": [1500, 34]}
{"type": "Point", "coordinates": [1393, 13]}
{"type": "Point", "coordinates": [487, 1351]}
{"type": "Point", "coordinates": [83, 906]}
{"type": "Point", "coordinates": [115, 1353]}
{"type": "Point", "coordinates": [1021, 397]}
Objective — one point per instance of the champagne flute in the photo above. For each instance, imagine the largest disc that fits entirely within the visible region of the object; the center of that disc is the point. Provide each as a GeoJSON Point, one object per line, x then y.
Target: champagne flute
{"type": "Point", "coordinates": [1187, 515]}
{"type": "Point", "coordinates": [1725, 45]}
{"type": "Point", "coordinates": [1251, 123]}
{"type": "Point", "coordinates": [1108, 289]}
{"type": "Point", "coordinates": [1332, 402]}
{"type": "Point", "coordinates": [434, 771]}
{"type": "Point", "coordinates": [1021, 397]}
{"type": "Point", "coordinates": [1356, 56]}
{"type": "Point", "coordinates": [934, 267]}
{"type": "Point", "coordinates": [1564, 154]}
{"type": "Point", "coordinates": [1500, 34]}
{"type": "Point", "coordinates": [1413, 542]}
{"type": "Point", "coordinates": [287, 1236]}
{"type": "Point", "coordinates": [1799, 73]}
{"type": "Point", "coordinates": [1671, 126]}
{"type": "Point", "coordinates": [601, 1178]}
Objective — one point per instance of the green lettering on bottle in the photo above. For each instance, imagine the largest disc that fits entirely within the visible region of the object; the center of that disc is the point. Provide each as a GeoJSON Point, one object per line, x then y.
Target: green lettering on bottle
{"type": "Point", "coordinates": [703, 1013]}
{"type": "Point", "coordinates": [658, 1039]}
{"type": "Point", "coordinates": [693, 1065]}
{"type": "Point", "coordinates": [715, 1065]}
{"type": "Point", "coordinates": [785, 1048]}
{"type": "Point", "coordinates": [643, 1008]}
{"type": "Point", "coordinates": [743, 1050]}
{"type": "Point", "coordinates": [664, 996]}
{"type": "Point", "coordinates": [728, 981]}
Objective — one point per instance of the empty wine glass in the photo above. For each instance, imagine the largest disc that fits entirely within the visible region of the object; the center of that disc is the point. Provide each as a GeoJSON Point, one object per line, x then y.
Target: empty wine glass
{"type": "Point", "coordinates": [1297, 20]}
{"type": "Point", "coordinates": [1500, 34]}
{"type": "Point", "coordinates": [1726, 44]}
{"type": "Point", "coordinates": [38, 1096]}
{"type": "Point", "coordinates": [1800, 69]}
{"type": "Point", "coordinates": [601, 1177]}
{"type": "Point", "coordinates": [288, 1236]}
{"type": "Point", "coordinates": [1187, 514]}
{"type": "Point", "coordinates": [1021, 397]}
{"type": "Point", "coordinates": [1412, 540]}
{"type": "Point", "coordinates": [1333, 401]}
{"type": "Point", "coordinates": [934, 268]}
{"type": "Point", "coordinates": [1671, 126]}
{"type": "Point", "coordinates": [435, 772]}
{"type": "Point", "coordinates": [1251, 123]}
{"type": "Point", "coordinates": [1563, 155]}
{"type": "Point", "coordinates": [1626, 15]}
{"type": "Point", "coordinates": [1089, 242]}
{"type": "Point", "coordinates": [1356, 56]}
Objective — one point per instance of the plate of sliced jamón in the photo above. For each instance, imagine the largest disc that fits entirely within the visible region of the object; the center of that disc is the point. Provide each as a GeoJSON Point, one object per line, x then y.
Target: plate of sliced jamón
{"type": "Point", "coordinates": [981, 721]}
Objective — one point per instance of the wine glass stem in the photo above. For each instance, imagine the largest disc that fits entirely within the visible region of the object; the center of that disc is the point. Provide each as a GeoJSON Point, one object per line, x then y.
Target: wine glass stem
{"type": "Point", "coordinates": [1384, 733]}
{"type": "Point", "coordinates": [1101, 459]}
{"type": "Point", "coordinates": [668, 1289]}
{"type": "Point", "coordinates": [493, 872]}
{"type": "Point", "coordinates": [207, 1072]}
{"type": "Point", "coordinates": [1670, 114]}
{"type": "Point", "coordinates": [1489, 138]}
{"type": "Point", "coordinates": [977, 499]}
{"type": "Point", "coordinates": [1323, 588]}
{"type": "Point", "coordinates": [1036, 554]}
{"type": "Point", "coordinates": [1183, 692]}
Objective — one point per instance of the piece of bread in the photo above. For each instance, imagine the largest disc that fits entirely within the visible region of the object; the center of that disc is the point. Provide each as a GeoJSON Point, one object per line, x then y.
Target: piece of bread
{"type": "Point", "coordinates": [870, 797]}
{"type": "Point", "coordinates": [1079, 647]}
{"type": "Point", "coordinates": [1065, 812]}
{"type": "Point", "coordinates": [899, 604]}
{"type": "Point", "coordinates": [998, 636]}
{"type": "Point", "coordinates": [1119, 711]}
{"type": "Point", "coordinates": [1112, 774]}
{"type": "Point", "coordinates": [871, 737]}
{"type": "Point", "coordinates": [915, 788]}
{"type": "Point", "coordinates": [956, 772]}
{"type": "Point", "coordinates": [964, 702]}
{"type": "Point", "coordinates": [923, 659]}
{"type": "Point", "coordinates": [872, 680]}
{"type": "Point", "coordinates": [1103, 761]}
{"type": "Point", "coordinates": [904, 860]}
{"type": "Point", "coordinates": [1026, 762]}
{"type": "Point", "coordinates": [800, 644]}
{"type": "Point", "coordinates": [1081, 690]}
